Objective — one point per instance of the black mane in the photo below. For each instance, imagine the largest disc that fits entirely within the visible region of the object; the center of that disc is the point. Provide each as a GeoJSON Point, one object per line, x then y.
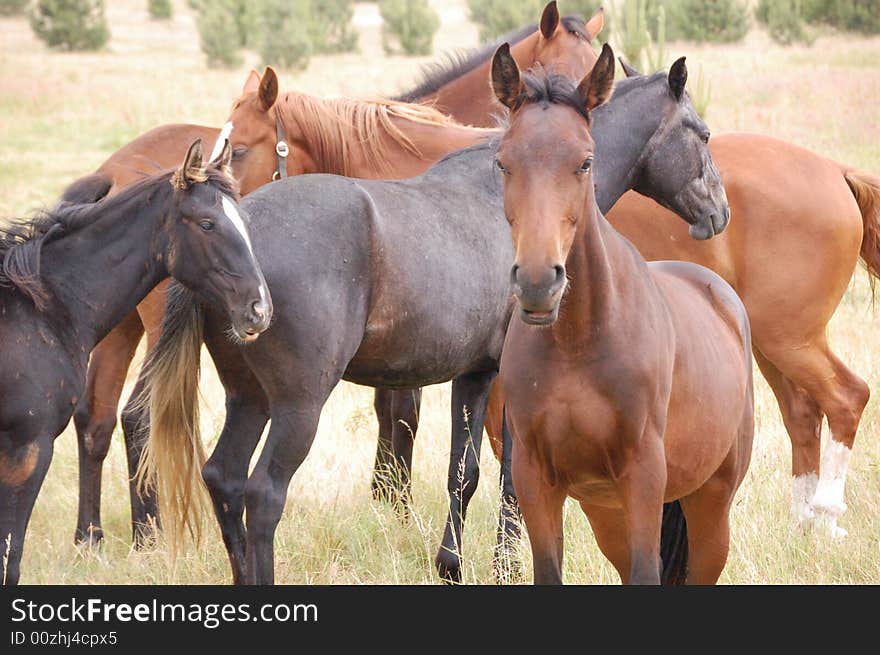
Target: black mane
{"type": "Point", "coordinates": [543, 86]}
{"type": "Point", "coordinates": [22, 241]}
{"type": "Point", "coordinates": [455, 64]}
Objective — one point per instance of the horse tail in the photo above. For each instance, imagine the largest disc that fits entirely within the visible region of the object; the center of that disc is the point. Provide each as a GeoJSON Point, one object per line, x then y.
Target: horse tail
{"type": "Point", "coordinates": [174, 456]}
{"type": "Point", "coordinates": [673, 545]}
{"type": "Point", "coordinates": [866, 190]}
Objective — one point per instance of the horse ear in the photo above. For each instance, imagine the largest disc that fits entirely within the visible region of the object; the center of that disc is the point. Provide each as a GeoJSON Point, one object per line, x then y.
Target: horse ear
{"type": "Point", "coordinates": [224, 160]}
{"type": "Point", "coordinates": [550, 20]}
{"type": "Point", "coordinates": [629, 70]}
{"type": "Point", "coordinates": [506, 82]}
{"type": "Point", "coordinates": [252, 83]}
{"type": "Point", "coordinates": [191, 169]}
{"type": "Point", "coordinates": [268, 89]}
{"type": "Point", "coordinates": [596, 87]}
{"type": "Point", "coordinates": [678, 77]}
{"type": "Point", "coordinates": [596, 23]}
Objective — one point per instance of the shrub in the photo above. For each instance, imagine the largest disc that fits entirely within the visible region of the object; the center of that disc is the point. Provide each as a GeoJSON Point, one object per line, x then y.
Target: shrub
{"type": "Point", "coordinates": [783, 19]}
{"type": "Point", "coordinates": [12, 7]}
{"type": "Point", "coordinates": [159, 8]}
{"type": "Point", "coordinates": [282, 33]}
{"type": "Point", "coordinates": [411, 23]}
{"type": "Point", "coordinates": [219, 32]}
{"type": "Point", "coordinates": [330, 26]}
{"type": "Point", "coordinates": [70, 24]}
{"type": "Point", "coordinates": [641, 34]}
{"type": "Point", "coordinates": [722, 21]}
{"type": "Point", "coordinates": [855, 15]}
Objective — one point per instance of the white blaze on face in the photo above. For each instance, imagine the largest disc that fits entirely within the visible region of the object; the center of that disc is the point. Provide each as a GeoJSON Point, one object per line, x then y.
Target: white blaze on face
{"type": "Point", "coordinates": [232, 214]}
{"type": "Point", "coordinates": [218, 144]}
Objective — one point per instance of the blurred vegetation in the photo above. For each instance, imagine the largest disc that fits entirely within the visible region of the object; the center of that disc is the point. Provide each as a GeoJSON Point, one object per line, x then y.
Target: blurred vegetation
{"type": "Point", "coordinates": [784, 20]}
{"type": "Point", "coordinates": [160, 9]}
{"type": "Point", "coordinates": [408, 26]}
{"type": "Point", "coordinates": [70, 24]}
{"type": "Point", "coordinates": [12, 7]}
{"type": "Point", "coordinates": [284, 32]}
{"type": "Point", "coordinates": [498, 17]}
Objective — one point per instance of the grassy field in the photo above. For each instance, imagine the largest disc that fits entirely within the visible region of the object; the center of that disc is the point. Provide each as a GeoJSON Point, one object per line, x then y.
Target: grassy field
{"type": "Point", "coordinates": [61, 115]}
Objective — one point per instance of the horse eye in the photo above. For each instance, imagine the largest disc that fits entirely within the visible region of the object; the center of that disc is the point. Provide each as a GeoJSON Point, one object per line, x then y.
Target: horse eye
{"type": "Point", "coordinates": [586, 166]}
{"type": "Point", "coordinates": [207, 225]}
{"type": "Point", "coordinates": [500, 166]}
{"type": "Point", "coordinates": [704, 137]}
{"type": "Point", "coordinates": [238, 152]}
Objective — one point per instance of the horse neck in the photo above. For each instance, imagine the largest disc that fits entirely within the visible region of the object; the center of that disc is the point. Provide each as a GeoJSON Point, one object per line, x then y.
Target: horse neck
{"type": "Point", "coordinates": [605, 276]}
{"type": "Point", "coordinates": [619, 159]}
{"type": "Point", "coordinates": [430, 143]}
{"type": "Point", "coordinates": [469, 99]}
{"type": "Point", "coordinates": [403, 147]}
{"type": "Point", "coordinates": [101, 271]}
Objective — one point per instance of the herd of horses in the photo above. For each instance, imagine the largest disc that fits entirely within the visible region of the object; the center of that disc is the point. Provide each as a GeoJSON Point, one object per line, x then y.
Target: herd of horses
{"type": "Point", "coordinates": [407, 242]}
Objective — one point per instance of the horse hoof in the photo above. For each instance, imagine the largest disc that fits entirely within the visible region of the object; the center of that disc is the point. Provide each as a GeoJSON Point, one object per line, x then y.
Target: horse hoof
{"type": "Point", "coordinates": [448, 567]}
{"type": "Point", "coordinates": [89, 538]}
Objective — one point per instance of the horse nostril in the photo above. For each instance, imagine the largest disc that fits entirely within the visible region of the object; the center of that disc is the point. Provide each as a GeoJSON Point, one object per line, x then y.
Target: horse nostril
{"type": "Point", "coordinates": [560, 274]}
{"type": "Point", "coordinates": [259, 309]}
{"type": "Point", "coordinates": [514, 274]}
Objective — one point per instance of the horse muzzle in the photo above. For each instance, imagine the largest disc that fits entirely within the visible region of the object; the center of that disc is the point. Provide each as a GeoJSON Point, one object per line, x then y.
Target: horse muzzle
{"type": "Point", "coordinates": [539, 298]}
{"type": "Point", "coordinates": [253, 322]}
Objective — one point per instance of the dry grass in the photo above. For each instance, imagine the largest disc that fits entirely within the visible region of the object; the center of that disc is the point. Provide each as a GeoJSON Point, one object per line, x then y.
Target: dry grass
{"type": "Point", "coordinates": [61, 115]}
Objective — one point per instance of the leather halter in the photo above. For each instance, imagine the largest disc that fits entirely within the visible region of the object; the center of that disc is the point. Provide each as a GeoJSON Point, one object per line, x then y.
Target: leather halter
{"type": "Point", "coordinates": [281, 151]}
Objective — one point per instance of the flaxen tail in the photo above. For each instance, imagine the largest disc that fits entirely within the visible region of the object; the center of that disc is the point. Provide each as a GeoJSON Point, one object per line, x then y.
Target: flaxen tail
{"type": "Point", "coordinates": [866, 189]}
{"type": "Point", "coordinates": [173, 458]}
{"type": "Point", "coordinates": [673, 545]}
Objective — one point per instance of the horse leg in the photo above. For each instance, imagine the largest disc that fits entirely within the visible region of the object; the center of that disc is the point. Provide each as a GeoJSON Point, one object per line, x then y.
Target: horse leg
{"type": "Point", "coordinates": [136, 428]}
{"type": "Point", "coordinates": [225, 472]}
{"type": "Point", "coordinates": [803, 421]}
{"type": "Point", "coordinates": [23, 467]}
{"type": "Point", "coordinates": [470, 393]}
{"type": "Point", "coordinates": [405, 407]}
{"type": "Point", "coordinates": [290, 437]}
{"type": "Point", "coordinates": [398, 414]}
{"type": "Point", "coordinates": [841, 396]}
{"type": "Point", "coordinates": [609, 528]}
{"type": "Point", "coordinates": [95, 420]}
{"type": "Point", "coordinates": [381, 483]}
{"type": "Point", "coordinates": [641, 485]}
{"type": "Point", "coordinates": [541, 506]}
{"type": "Point", "coordinates": [508, 535]}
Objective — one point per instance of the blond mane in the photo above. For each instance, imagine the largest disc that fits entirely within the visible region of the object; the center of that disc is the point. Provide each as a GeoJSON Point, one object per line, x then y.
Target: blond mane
{"type": "Point", "coordinates": [333, 127]}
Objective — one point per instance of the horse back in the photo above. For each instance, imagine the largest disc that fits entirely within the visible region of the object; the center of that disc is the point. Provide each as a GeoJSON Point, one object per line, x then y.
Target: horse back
{"type": "Point", "coordinates": [159, 149]}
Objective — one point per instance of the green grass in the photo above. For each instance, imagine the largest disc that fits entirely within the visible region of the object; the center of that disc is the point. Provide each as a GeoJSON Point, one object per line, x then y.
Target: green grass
{"type": "Point", "coordinates": [62, 115]}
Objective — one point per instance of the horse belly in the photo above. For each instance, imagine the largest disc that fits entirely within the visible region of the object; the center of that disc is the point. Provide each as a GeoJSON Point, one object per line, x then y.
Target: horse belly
{"type": "Point", "coordinates": [408, 344]}
{"type": "Point", "coordinates": [710, 394]}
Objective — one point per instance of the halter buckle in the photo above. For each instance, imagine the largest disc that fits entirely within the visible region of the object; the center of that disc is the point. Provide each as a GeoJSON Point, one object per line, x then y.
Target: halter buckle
{"type": "Point", "coordinates": [276, 176]}
{"type": "Point", "coordinates": [282, 149]}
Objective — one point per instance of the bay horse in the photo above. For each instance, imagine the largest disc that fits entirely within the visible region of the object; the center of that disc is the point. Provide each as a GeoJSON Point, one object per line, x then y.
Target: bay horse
{"type": "Point", "coordinates": [438, 310]}
{"type": "Point", "coordinates": [71, 274]}
{"type": "Point", "coordinates": [459, 85]}
{"type": "Point", "coordinates": [627, 384]}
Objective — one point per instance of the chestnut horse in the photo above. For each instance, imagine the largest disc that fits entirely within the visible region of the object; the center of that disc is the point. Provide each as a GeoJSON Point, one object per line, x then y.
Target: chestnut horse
{"type": "Point", "coordinates": [459, 85]}
{"type": "Point", "coordinates": [628, 385]}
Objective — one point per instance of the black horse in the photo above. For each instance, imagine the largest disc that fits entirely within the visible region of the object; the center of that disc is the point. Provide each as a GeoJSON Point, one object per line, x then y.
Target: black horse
{"type": "Point", "coordinates": [71, 274]}
{"type": "Point", "coordinates": [383, 283]}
